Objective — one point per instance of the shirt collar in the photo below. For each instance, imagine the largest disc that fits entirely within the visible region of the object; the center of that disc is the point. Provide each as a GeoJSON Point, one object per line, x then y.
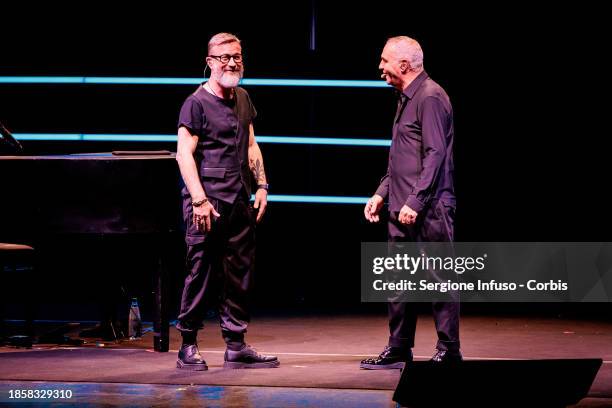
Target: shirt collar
{"type": "Point", "coordinates": [415, 85]}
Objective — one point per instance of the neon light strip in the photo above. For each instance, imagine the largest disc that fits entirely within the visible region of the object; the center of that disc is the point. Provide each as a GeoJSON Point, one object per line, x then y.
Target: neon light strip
{"type": "Point", "coordinates": [188, 81]}
{"type": "Point", "coordinates": [44, 136]}
{"type": "Point", "coordinates": [172, 138]}
{"type": "Point", "coordinates": [323, 141]}
{"type": "Point", "coordinates": [315, 199]}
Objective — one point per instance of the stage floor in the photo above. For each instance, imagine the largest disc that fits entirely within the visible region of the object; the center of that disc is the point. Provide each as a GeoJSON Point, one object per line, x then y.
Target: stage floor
{"type": "Point", "coordinates": [319, 361]}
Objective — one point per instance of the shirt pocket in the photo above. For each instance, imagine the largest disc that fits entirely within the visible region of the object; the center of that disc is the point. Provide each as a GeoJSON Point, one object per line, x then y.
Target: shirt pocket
{"type": "Point", "coordinates": [213, 173]}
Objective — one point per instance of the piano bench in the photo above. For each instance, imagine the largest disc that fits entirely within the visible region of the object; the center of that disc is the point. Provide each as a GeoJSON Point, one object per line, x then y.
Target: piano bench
{"type": "Point", "coordinates": [16, 258]}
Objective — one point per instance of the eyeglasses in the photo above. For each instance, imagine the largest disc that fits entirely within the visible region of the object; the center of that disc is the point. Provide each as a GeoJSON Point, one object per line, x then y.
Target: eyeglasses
{"type": "Point", "coordinates": [225, 58]}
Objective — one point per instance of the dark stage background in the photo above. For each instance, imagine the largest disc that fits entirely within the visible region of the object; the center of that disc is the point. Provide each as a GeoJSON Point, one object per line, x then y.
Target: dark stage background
{"type": "Point", "coordinates": [532, 158]}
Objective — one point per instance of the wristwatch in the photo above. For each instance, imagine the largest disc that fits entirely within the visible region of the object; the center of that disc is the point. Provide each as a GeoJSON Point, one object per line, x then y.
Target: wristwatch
{"type": "Point", "coordinates": [264, 186]}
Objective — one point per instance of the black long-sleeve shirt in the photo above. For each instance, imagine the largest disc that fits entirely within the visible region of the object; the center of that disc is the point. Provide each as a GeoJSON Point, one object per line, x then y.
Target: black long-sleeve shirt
{"type": "Point", "coordinates": [421, 157]}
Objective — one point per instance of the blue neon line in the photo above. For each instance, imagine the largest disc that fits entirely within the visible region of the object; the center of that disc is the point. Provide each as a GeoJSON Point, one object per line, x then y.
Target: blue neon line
{"type": "Point", "coordinates": [41, 80]}
{"type": "Point", "coordinates": [49, 137]}
{"type": "Point", "coordinates": [338, 83]}
{"type": "Point", "coordinates": [308, 199]}
{"type": "Point", "coordinates": [172, 138]}
{"type": "Point", "coordinates": [314, 82]}
{"type": "Point", "coordinates": [141, 81]}
{"type": "Point", "coordinates": [324, 141]}
{"type": "Point", "coordinates": [127, 138]}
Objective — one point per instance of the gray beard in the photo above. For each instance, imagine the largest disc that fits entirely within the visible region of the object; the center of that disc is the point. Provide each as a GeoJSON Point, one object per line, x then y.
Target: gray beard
{"type": "Point", "coordinates": [228, 79]}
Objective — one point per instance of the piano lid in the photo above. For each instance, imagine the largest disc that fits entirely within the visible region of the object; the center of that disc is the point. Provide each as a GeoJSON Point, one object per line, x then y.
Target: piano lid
{"type": "Point", "coordinates": [100, 193]}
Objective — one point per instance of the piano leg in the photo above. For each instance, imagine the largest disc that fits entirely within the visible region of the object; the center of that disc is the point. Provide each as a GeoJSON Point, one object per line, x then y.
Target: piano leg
{"type": "Point", "coordinates": [161, 323]}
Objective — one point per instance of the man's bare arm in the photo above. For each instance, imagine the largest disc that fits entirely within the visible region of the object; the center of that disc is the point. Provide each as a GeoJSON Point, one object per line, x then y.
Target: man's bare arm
{"type": "Point", "coordinates": [186, 147]}
{"type": "Point", "coordinates": [257, 168]}
{"type": "Point", "coordinates": [203, 211]}
{"type": "Point", "coordinates": [255, 158]}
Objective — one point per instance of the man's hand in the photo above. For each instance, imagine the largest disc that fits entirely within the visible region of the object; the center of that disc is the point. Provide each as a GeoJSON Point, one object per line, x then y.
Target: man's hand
{"type": "Point", "coordinates": [202, 216]}
{"type": "Point", "coordinates": [407, 215]}
{"type": "Point", "coordinates": [261, 202]}
{"type": "Point", "coordinates": [372, 208]}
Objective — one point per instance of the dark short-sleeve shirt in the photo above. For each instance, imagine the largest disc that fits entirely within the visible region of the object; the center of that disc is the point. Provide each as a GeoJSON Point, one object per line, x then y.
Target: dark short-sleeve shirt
{"type": "Point", "coordinates": [222, 127]}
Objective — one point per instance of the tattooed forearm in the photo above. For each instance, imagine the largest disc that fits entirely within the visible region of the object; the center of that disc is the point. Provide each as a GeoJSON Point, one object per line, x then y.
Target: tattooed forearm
{"type": "Point", "coordinates": [256, 164]}
{"type": "Point", "coordinates": [257, 168]}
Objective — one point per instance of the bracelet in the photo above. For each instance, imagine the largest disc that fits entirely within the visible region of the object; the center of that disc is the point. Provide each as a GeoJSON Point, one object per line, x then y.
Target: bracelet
{"type": "Point", "coordinates": [264, 186]}
{"type": "Point", "coordinates": [199, 203]}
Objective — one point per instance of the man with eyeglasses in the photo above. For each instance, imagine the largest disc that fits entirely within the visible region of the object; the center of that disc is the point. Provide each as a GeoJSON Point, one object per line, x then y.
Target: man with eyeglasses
{"type": "Point", "coordinates": [420, 192]}
{"type": "Point", "coordinates": [217, 156]}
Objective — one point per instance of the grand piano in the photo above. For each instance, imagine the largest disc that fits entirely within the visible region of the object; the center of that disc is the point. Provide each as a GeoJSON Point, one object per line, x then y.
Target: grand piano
{"type": "Point", "coordinates": [102, 194]}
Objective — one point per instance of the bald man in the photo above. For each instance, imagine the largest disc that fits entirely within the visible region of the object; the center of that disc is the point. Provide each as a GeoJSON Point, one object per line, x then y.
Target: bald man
{"type": "Point", "coordinates": [420, 192]}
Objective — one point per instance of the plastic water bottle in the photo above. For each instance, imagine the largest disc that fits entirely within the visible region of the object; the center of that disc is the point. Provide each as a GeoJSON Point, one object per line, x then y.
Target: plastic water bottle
{"type": "Point", "coordinates": [134, 324]}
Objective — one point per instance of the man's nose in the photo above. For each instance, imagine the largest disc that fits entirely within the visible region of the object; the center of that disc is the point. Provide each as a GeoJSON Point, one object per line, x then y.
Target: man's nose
{"type": "Point", "coordinates": [231, 62]}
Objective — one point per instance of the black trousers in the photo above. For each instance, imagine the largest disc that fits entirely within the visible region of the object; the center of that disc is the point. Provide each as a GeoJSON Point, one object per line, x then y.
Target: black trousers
{"type": "Point", "coordinates": [435, 223]}
{"type": "Point", "coordinates": [220, 265]}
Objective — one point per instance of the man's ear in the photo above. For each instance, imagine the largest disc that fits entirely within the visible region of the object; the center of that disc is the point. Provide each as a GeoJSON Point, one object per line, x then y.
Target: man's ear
{"type": "Point", "coordinates": [404, 67]}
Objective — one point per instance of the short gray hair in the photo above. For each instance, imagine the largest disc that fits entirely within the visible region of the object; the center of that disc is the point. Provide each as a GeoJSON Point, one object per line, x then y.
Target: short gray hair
{"type": "Point", "coordinates": [220, 39]}
{"type": "Point", "coordinates": [409, 49]}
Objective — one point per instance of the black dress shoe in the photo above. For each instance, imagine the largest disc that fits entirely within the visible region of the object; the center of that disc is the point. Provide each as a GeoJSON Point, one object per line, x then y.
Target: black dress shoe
{"type": "Point", "coordinates": [248, 358]}
{"type": "Point", "coordinates": [189, 358]}
{"type": "Point", "coordinates": [391, 357]}
{"type": "Point", "coordinates": [446, 357]}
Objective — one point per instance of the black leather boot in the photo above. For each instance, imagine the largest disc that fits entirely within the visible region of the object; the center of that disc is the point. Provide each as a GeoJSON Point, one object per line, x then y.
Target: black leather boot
{"type": "Point", "coordinates": [189, 358]}
{"type": "Point", "coordinates": [247, 357]}
{"type": "Point", "coordinates": [391, 357]}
